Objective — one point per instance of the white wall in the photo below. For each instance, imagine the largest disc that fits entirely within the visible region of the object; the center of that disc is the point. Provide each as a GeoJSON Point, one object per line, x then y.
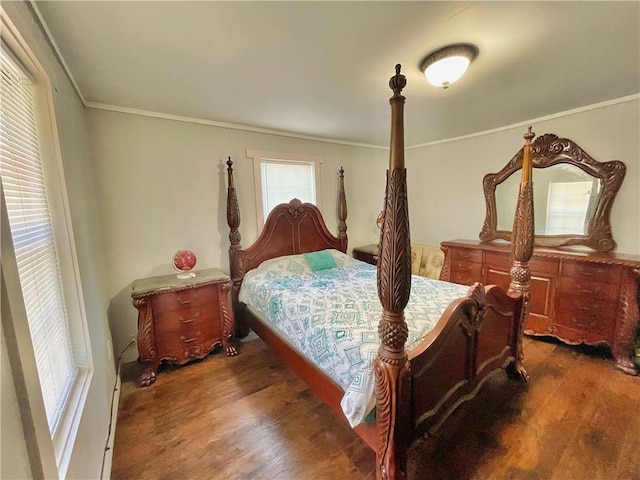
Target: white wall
{"type": "Point", "coordinates": [86, 459]}
{"type": "Point", "coordinates": [162, 187]}
{"type": "Point", "coordinates": [445, 181]}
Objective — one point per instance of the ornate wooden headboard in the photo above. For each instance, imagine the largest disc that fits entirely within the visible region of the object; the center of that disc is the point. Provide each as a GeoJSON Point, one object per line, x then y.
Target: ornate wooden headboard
{"type": "Point", "coordinates": [291, 228]}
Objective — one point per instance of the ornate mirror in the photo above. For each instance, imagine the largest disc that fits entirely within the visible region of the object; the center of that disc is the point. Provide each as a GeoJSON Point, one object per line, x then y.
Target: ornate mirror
{"type": "Point", "coordinates": [573, 195]}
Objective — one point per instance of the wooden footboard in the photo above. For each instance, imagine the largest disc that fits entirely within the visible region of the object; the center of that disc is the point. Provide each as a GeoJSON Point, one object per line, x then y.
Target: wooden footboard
{"type": "Point", "coordinates": [475, 337]}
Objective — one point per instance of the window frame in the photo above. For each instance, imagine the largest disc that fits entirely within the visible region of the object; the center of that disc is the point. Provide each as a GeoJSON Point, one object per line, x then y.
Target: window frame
{"type": "Point", "coordinates": [258, 156]}
{"type": "Point", "coordinates": [60, 443]}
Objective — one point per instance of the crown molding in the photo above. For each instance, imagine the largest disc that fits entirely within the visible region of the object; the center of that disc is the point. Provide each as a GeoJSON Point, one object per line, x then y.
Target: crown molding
{"type": "Point", "coordinates": [234, 126]}
{"type": "Point", "coordinates": [566, 113]}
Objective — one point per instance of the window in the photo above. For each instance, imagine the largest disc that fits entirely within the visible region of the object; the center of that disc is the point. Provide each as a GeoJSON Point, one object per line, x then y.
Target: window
{"type": "Point", "coordinates": [42, 253]}
{"type": "Point", "coordinates": [280, 177]}
{"type": "Point", "coordinates": [568, 207]}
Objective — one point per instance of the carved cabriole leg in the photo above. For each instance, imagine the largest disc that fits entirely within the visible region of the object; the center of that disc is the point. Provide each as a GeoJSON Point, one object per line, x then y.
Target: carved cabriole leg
{"type": "Point", "coordinates": [522, 250]}
{"type": "Point", "coordinates": [627, 324]}
{"type": "Point", "coordinates": [394, 285]}
{"type": "Point", "coordinates": [236, 267]}
{"type": "Point", "coordinates": [146, 342]}
{"type": "Point", "coordinates": [227, 321]}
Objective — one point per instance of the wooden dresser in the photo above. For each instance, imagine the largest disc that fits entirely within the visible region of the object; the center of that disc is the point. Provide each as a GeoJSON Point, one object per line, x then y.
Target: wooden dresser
{"type": "Point", "coordinates": [182, 319]}
{"type": "Point", "coordinates": [577, 297]}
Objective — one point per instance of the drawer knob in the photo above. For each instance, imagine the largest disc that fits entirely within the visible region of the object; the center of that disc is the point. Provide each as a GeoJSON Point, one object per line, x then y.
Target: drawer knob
{"type": "Point", "coordinates": [189, 340]}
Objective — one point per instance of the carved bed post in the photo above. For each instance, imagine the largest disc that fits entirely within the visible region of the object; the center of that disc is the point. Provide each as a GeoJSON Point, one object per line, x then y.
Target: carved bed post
{"type": "Point", "coordinates": [342, 212]}
{"type": "Point", "coordinates": [235, 261]}
{"type": "Point", "coordinates": [394, 285]}
{"type": "Point", "coordinates": [522, 249]}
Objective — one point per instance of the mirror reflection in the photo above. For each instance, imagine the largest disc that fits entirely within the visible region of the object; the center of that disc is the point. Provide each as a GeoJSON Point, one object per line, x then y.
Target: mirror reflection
{"type": "Point", "coordinates": [565, 198]}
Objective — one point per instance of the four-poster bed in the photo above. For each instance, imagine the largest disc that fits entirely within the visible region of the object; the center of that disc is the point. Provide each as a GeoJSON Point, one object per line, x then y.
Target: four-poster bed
{"type": "Point", "coordinates": [415, 391]}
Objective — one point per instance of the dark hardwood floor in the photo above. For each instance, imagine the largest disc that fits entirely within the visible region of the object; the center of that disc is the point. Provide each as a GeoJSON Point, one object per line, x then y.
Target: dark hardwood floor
{"type": "Point", "coordinates": [249, 417]}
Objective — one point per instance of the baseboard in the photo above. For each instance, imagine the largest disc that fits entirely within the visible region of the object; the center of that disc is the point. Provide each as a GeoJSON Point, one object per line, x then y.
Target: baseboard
{"type": "Point", "coordinates": [108, 452]}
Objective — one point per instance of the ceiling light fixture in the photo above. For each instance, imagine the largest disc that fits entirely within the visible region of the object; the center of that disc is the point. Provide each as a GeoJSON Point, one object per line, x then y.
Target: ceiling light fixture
{"type": "Point", "coordinates": [448, 64]}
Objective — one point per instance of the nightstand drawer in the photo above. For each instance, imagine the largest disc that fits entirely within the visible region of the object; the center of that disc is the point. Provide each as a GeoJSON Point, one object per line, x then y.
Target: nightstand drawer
{"type": "Point", "coordinates": [187, 319]}
{"type": "Point", "coordinates": [181, 299]}
{"type": "Point", "coordinates": [171, 340]}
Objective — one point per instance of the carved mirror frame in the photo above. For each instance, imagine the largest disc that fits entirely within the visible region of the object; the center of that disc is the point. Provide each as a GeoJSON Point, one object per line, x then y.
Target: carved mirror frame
{"type": "Point", "coordinates": [550, 150]}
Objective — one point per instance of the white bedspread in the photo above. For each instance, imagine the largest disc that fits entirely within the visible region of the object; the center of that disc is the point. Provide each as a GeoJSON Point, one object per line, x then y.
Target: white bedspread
{"type": "Point", "coordinates": [331, 317]}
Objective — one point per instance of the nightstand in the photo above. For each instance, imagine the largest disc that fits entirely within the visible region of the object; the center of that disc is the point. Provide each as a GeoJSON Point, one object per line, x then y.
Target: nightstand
{"type": "Point", "coordinates": [366, 253]}
{"type": "Point", "coordinates": [180, 320]}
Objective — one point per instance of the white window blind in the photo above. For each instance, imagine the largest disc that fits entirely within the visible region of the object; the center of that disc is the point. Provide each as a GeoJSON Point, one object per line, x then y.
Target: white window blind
{"type": "Point", "coordinates": [32, 232]}
{"type": "Point", "coordinates": [282, 181]}
{"type": "Point", "coordinates": [567, 207]}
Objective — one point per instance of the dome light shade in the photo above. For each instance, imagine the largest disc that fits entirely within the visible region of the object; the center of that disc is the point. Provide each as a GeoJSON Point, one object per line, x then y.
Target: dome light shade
{"type": "Point", "coordinates": [447, 65]}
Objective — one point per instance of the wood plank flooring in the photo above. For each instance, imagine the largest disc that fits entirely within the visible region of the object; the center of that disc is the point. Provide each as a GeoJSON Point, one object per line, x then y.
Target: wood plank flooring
{"type": "Point", "coordinates": [249, 417]}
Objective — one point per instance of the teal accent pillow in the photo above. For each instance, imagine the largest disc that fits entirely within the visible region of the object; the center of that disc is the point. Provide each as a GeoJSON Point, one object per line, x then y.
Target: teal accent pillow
{"type": "Point", "coordinates": [322, 260]}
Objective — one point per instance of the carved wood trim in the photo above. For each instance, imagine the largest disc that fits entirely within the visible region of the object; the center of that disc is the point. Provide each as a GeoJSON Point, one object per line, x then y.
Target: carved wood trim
{"type": "Point", "coordinates": [342, 211]}
{"type": "Point", "coordinates": [625, 333]}
{"type": "Point", "coordinates": [394, 285]}
{"type": "Point", "coordinates": [522, 250]}
{"type": "Point", "coordinates": [236, 258]}
{"type": "Point", "coordinates": [177, 288]}
{"type": "Point", "coordinates": [445, 271]}
{"type": "Point", "coordinates": [146, 339]}
{"type": "Point", "coordinates": [550, 150]}
{"type": "Point", "coordinates": [227, 319]}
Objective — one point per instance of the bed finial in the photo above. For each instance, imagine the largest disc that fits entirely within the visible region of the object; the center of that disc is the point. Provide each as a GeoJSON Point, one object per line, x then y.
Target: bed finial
{"type": "Point", "coordinates": [522, 248]}
{"type": "Point", "coordinates": [342, 212]}
{"type": "Point", "coordinates": [397, 82]}
{"type": "Point", "coordinates": [394, 286]}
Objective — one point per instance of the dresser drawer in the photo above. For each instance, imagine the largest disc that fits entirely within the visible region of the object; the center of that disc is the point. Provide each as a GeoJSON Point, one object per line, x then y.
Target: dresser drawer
{"type": "Point", "coordinates": [588, 289]}
{"type": "Point", "coordinates": [587, 314]}
{"type": "Point", "coordinates": [466, 255]}
{"type": "Point", "coordinates": [465, 273]}
{"type": "Point", "coordinates": [592, 271]}
{"type": "Point", "coordinates": [537, 265]}
{"type": "Point", "coordinates": [183, 299]}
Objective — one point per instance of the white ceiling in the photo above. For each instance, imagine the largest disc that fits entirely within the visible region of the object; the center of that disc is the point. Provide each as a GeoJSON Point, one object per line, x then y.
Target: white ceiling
{"type": "Point", "coordinates": [322, 68]}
